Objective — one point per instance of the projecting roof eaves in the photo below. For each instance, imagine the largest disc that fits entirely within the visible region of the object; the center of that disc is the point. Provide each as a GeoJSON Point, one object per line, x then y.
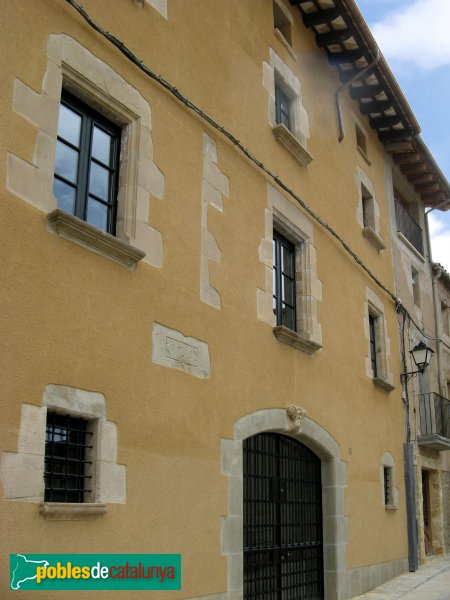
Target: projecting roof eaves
{"type": "Point", "coordinates": [342, 31]}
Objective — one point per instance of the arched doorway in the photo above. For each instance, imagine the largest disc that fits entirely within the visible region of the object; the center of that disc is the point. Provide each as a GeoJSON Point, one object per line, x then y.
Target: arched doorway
{"type": "Point", "coordinates": [282, 519]}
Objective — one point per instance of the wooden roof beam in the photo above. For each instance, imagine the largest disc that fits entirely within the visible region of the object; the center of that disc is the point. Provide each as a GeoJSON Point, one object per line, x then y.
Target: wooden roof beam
{"type": "Point", "coordinates": [401, 146]}
{"type": "Point", "coordinates": [347, 56]}
{"type": "Point", "coordinates": [425, 188]}
{"type": "Point", "coordinates": [365, 91]}
{"type": "Point", "coordinates": [377, 122]}
{"type": "Point", "coordinates": [321, 16]}
{"type": "Point", "coordinates": [412, 168]}
{"type": "Point", "coordinates": [375, 106]}
{"type": "Point", "coordinates": [407, 158]}
{"type": "Point", "coordinates": [433, 197]}
{"type": "Point", "coordinates": [395, 135]}
{"type": "Point", "coordinates": [351, 73]}
{"type": "Point", "coordinates": [420, 177]}
{"type": "Point", "coordinates": [337, 36]}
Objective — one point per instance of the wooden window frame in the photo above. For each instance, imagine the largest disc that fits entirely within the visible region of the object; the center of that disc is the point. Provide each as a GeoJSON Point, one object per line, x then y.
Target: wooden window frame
{"type": "Point", "coordinates": [89, 119]}
{"type": "Point", "coordinates": [279, 300]}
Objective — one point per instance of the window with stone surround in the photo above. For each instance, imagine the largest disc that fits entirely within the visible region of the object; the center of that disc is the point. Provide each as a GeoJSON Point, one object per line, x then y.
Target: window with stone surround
{"type": "Point", "coordinates": [287, 115]}
{"type": "Point", "coordinates": [289, 299]}
{"type": "Point", "coordinates": [389, 490]}
{"type": "Point", "coordinates": [67, 456]}
{"type": "Point", "coordinates": [73, 68]}
{"type": "Point", "coordinates": [368, 211]}
{"type": "Point", "coordinates": [282, 21]}
{"type": "Point", "coordinates": [378, 350]}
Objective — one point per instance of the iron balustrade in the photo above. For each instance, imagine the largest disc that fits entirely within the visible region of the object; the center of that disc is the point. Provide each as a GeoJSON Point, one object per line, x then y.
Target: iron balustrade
{"type": "Point", "coordinates": [408, 227]}
{"type": "Point", "coordinates": [434, 411]}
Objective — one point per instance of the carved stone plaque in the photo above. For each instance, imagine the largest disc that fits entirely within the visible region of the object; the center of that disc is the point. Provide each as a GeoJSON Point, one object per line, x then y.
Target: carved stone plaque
{"type": "Point", "coordinates": [172, 349]}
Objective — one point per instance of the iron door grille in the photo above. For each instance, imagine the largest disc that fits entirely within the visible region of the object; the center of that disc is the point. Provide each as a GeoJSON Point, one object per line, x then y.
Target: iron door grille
{"type": "Point", "coordinates": [282, 520]}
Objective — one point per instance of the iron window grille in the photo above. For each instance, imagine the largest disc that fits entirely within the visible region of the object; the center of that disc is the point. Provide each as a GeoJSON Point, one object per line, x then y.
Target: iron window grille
{"type": "Point", "coordinates": [284, 286]}
{"type": "Point", "coordinates": [87, 164]}
{"type": "Point", "coordinates": [373, 344]}
{"type": "Point", "coordinates": [66, 465]}
{"type": "Point", "coordinates": [387, 478]}
{"type": "Point", "coordinates": [282, 107]}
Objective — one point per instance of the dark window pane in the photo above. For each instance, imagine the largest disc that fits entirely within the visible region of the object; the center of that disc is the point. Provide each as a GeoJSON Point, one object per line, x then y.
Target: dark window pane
{"type": "Point", "coordinates": [288, 319]}
{"type": "Point", "coordinates": [65, 195]}
{"type": "Point", "coordinates": [101, 145]}
{"type": "Point", "coordinates": [288, 262]}
{"type": "Point", "coordinates": [97, 214]}
{"type": "Point", "coordinates": [66, 163]}
{"type": "Point", "coordinates": [284, 289]}
{"type": "Point", "coordinates": [69, 125]}
{"type": "Point", "coordinates": [99, 181]}
{"type": "Point", "coordinates": [288, 290]}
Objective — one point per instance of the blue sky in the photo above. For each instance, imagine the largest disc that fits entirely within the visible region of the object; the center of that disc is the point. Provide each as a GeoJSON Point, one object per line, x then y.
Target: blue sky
{"type": "Point", "coordinates": [414, 38]}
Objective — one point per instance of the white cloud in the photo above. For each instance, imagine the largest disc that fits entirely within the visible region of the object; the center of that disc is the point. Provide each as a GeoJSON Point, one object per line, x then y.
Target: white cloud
{"type": "Point", "coordinates": [416, 33]}
{"type": "Point", "coordinates": [440, 239]}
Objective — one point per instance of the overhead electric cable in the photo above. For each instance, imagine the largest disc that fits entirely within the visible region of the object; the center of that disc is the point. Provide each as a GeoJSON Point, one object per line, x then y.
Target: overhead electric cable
{"type": "Point", "coordinates": [175, 92]}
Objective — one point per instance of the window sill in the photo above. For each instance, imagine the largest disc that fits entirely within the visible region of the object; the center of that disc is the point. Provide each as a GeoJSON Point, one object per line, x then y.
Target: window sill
{"type": "Point", "coordinates": [390, 507]}
{"type": "Point", "coordinates": [374, 238]}
{"type": "Point", "coordinates": [285, 43]}
{"type": "Point", "coordinates": [292, 338]}
{"type": "Point", "coordinates": [78, 231]}
{"type": "Point", "coordinates": [410, 246]}
{"type": "Point", "coordinates": [68, 511]}
{"type": "Point", "coordinates": [383, 385]}
{"type": "Point", "coordinates": [291, 143]}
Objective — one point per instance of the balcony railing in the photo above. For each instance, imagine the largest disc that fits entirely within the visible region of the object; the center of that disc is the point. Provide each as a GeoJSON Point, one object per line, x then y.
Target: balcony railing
{"type": "Point", "coordinates": [434, 413]}
{"type": "Point", "coordinates": [408, 227]}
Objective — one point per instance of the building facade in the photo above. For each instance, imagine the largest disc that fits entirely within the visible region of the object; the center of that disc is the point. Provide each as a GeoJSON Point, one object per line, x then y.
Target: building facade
{"type": "Point", "coordinates": [200, 342]}
{"type": "Point", "coordinates": [425, 394]}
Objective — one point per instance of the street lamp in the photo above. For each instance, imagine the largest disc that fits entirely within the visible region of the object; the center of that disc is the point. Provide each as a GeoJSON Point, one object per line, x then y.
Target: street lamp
{"type": "Point", "coordinates": [422, 356]}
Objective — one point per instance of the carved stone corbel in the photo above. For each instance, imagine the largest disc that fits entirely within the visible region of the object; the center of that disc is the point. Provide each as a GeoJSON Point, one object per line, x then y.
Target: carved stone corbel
{"type": "Point", "coordinates": [296, 416]}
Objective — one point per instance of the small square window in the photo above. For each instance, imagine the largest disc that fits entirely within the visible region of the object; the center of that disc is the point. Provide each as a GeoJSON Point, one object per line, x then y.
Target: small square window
{"type": "Point", "coordinates": [67, 468]}
{"type": "Point", "coordinates": [282, 107]}
{"type": "Point", "coordinates": [87, 164]}
{"type": "Point", "coordinates": [282, 23]}
{"type": "Point", "coordinates": [284, 287]}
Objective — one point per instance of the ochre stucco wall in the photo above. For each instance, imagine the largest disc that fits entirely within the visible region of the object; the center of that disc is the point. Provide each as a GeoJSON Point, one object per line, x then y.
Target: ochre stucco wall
{"type": "Point", "coordinates": [74, 318]}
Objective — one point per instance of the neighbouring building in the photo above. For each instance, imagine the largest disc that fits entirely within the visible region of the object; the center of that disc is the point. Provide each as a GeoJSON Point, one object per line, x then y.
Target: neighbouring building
{"type": "Point", "coordinates": [422, 287]}
{"type": "Point", "coordinates": [200, 264]}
